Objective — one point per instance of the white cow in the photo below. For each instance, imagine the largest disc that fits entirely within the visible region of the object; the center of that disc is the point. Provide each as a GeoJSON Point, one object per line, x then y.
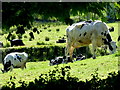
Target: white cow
{"type": "Point", "coordinates": [85, 33]}
{"type": "Point", "coordinates": [14, 60]}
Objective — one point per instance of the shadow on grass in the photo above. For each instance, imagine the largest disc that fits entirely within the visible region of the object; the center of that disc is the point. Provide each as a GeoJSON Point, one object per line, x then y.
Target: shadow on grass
{"type": "Point", "coordinates": [60, 78]}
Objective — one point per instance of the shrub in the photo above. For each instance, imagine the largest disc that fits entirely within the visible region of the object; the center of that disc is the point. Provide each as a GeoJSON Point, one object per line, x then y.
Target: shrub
{"type": "Point", "coordinates": [7, 44]}
{"type": "Point", "coordinates": [57, 30]}
{"type": "Point", "coordinates": [46, 51]}
{"type": "Point", "coordinates": [47, 38]}
{"type": "Point", "coordinates": [41, 43]}
{"type": "Point", "coordinates": [38, 53]}
{"type": "Point", "coordinates": [19, 36]}
{"type": "Point", "coordinates": [13, 36]}
{"type": "Point", "coordinates": [49, 30]}
{"type": "Point", "coordinates": [25, 36]}
{"type": "Point", "coordinates": [60, 78]}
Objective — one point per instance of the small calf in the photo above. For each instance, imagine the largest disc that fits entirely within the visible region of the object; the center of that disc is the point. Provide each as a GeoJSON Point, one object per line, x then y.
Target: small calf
{"type": "Point", "coordinates": [14, 60]}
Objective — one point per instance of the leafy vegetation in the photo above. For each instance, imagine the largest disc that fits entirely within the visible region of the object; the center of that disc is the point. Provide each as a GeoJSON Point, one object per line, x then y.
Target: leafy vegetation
{"type": "Point", "coordinates": [62, 79]}
{"type": "Point", "coordinates": [23, 14]}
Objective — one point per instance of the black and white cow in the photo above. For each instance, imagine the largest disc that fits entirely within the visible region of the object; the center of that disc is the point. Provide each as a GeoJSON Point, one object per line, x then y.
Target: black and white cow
{"type": "Point", "coordinates": [15, 60]}
{"type": "Point", "coordinates": [85, 33]}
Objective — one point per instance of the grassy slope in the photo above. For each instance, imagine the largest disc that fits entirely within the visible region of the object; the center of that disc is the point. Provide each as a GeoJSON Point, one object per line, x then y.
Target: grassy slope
{"type": "Point", "coordinates": [82, 69]}
{"type": "Point", "coordinates": [53, 35]}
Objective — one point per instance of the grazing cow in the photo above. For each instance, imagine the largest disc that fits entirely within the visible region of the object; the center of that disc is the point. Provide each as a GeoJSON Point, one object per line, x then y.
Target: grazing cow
{"type": "Point", "coordinates": [85, 33]}
{"type": "Point", "coordinates": [16, 42]}
{"type": "Point", "coordinates": [1, 44]}
{"type": "Point", "coordinates": [14, 60]}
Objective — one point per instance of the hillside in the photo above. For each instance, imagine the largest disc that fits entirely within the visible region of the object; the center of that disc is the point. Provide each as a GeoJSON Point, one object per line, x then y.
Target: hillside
{"type": "Point", "coordinates": [84, 69]}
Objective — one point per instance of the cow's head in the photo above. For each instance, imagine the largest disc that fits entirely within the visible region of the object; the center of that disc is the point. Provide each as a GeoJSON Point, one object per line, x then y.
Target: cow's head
{"type": "Point", "coordinates": [6, 67]}
{"type": "Point", "coordinates": [112, 47]}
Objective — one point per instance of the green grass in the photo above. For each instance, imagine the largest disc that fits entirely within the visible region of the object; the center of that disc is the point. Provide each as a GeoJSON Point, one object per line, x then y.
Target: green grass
{"type": "Point", "coordinates": [81, 69]}
{"type": "Point", "coordinates": [53, 35]}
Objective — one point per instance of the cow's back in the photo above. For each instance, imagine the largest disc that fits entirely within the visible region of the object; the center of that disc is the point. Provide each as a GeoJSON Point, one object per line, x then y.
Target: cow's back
{"type": "Point", "coordinates": [19, 62]}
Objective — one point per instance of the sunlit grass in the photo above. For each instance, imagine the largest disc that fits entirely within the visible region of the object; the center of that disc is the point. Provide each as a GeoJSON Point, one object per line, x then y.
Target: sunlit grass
{"type": "Point", "coordinates": [81, 69]}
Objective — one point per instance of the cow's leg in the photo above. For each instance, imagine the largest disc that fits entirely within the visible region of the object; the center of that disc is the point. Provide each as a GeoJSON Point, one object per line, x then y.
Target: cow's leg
{"type": "Point", "coordinates": [71, 53]}
{"type": "Point", "coordinates": [23, 66]}
{"type": "Point", "coordinates": [69, 50]}
{"type": "Point", "coordinates": [94, 48]}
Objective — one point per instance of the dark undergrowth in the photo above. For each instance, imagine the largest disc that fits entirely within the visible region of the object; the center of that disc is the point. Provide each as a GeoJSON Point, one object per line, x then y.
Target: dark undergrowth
{"type": "Point", "coordinates": [60, 78]}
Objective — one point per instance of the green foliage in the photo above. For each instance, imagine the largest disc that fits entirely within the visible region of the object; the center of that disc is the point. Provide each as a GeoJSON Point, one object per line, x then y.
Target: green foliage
{"type": "Point", "coordinates": [24, 13]}
{"type": "Point", "coordinates": [13, 36]}
{"type": "Point", "coordinates": [62, 79]}
{"type": "Point", "coordinates": [38, 53]}
{"type": "Point", "coordinates": [7, 44]}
